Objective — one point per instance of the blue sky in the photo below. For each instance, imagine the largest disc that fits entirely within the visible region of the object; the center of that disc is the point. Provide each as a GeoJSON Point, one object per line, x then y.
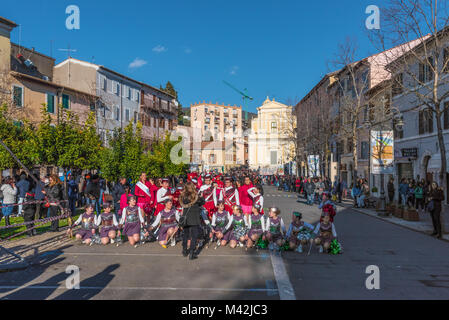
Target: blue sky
{"type": "Point", "coordinates": [276, 48]}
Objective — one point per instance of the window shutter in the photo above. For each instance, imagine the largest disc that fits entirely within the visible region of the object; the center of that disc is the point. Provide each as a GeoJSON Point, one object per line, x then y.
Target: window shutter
{"type": "Point", "coordinates": [50, 103]}
{"type": "Point", "coordinates": [65, 101]}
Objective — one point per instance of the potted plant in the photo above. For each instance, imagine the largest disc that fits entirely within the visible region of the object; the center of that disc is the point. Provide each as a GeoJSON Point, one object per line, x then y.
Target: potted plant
{"type": "Point", "coordinates": [411, 214]}
{"type": "Point", "coordinates": [399, 211]}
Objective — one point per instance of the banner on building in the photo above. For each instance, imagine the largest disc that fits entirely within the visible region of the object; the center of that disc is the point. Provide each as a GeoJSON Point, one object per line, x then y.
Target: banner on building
{"type": "Point", "coordinates": [313, 162]}
{"type": "Point", "coordinates": [382, 152]}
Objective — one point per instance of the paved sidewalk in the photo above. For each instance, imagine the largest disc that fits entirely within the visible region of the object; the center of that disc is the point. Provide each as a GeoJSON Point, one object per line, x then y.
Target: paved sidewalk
{"type": "Point", "coordinates": [423, 226]}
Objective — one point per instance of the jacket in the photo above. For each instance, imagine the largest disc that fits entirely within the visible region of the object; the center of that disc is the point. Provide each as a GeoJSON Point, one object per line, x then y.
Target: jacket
{"type": "Point", "coordinates": [193, 212]}
{"type": "Point", "coordinates": [23, 186]}
{"type": "Point", "coordinates": [117, 192]}
{"type": "Point", "coordinates": [9, 194]}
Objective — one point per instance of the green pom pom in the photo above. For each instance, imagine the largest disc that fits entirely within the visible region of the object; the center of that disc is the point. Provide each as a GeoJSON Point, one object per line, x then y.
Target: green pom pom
{"type": "Point", "coordinates": [262, 244]}
{"type": "Point", "coordinates": [285, 247]}
{"type": "Point", "coordinates": [335, 247]}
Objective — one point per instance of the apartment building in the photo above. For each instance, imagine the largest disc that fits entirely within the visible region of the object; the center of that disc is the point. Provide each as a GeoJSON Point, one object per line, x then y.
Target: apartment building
{"type": "Point", "coordinates": [221, 128]}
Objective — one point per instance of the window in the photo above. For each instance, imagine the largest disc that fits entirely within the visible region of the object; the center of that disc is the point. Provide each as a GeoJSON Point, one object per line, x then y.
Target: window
{"type": "Point", "coordinates": [135, 117]}
{"type": "Point", "coordinates": [50, 103]}
{"type": "Point", "coordinates": [425, 121]}
{"type": "Point", "coordinates": [274, 126]}
{"type": "Point", "coordinates": [212, 159]}
{"type": "Point", "coordinates": [129, 93]}
{"type": "Point", "coordinates": [105, 84]}
{"type": "Point", "coordinates": [127, 115]}
{"type": "Point", "coordinates": [426, 70]}
{"type": "Point", "coordinates": [364, 150]}
{"type": "Point", "coordinates": [92, 106]}
{"type": "Point", "coordinates": [117, 113]}
{"type": "Point", "coordinates": [446, 60]}
{"type": "Point", "coordinates": [17, 93]}
{"type": "Point", "coordinates": [65, 101]}
{"type": "Point", "coordinates": [274, 157]}
{"type": "Point", "coordinates": [116, 87]}
{"type": "Point", "coordinates": [398, 83]}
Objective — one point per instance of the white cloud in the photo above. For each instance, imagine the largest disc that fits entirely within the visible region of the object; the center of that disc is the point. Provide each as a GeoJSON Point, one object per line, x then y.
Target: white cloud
{"type": "Point", "coordinates": [159, 48]}
{"type": "Point", "coordinates": [137, 63]}
{"type": "Point", "coordinates": [234, 70]}
{"type": "Point", "coordinates": [187, 50]}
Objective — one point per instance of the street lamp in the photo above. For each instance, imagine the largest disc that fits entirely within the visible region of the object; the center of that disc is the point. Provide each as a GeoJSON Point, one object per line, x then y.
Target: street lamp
{"type": "Point", "coordinates": [398, 123]}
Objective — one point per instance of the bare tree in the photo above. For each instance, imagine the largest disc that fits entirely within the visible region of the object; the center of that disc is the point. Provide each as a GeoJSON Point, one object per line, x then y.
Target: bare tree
{"type": "Point", "coordinates": [421, 69]}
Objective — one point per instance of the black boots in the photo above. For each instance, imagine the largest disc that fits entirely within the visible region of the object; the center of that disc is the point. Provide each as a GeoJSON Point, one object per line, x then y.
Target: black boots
{"type": "Point", "coordinates": [193, 254]}
{"type": "Point", "coordinates": [7, 223]}
{"type": "Point", "coordinates": [185, 253]}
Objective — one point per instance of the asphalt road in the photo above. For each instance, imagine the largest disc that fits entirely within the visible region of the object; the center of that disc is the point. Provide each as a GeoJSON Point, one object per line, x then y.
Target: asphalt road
{"type": "Point", "coordinates": [412, 266]}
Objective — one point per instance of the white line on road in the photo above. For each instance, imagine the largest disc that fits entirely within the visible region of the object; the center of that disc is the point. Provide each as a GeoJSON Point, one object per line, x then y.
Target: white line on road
{"type": "Point", "coordinates": [285, 288]}
{"type": "Point", "coordinates": [33, 287]}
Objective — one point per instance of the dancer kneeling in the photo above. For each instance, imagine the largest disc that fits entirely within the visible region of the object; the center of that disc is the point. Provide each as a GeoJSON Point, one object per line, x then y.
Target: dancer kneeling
{"type": "Point", "coordinates": [108, 223]}
{"type": "Point", "coordinates": [238, 228]}
{"type": "Point", "coordinates": [87, 221]}
{"type": "Point", "coordinates": [326, 233]}
{"type": "Point", "coordinates": [168, 219]}
{"type": "Point", "coordinates": [299, 232]}
{"type": "Point", "coordinates": [132, 220]}
{"type": "Point", "coordinates": [275, 229]}
{"type": "Point", "coordinates": [221, 222]}
{"type": "Point", "coordinates": [256, 226]}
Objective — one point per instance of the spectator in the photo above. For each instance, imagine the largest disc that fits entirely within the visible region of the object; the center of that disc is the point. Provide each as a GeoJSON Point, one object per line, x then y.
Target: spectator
{"type": "Point", "coordinates": [54, 194]}
{"type": "Point", "coordinates": [310, 191]}
{"type": "Point", "coordinates": [403, 190]}
{"type": "Point", "coordinates": [93, 193]}
{"type": "Point", "coordinates": [22, 186]}
{"type": "Point", "coordinates": [355, 193]}
{"type": "Point", "coordinates": [73, 191]}
{"type": "Point", "coordinates": [9, 191]}
{"type": "Point", "coordinates": [419, 197]}
{"type": "Point", "coordinates": [117, 192]}
{"type": "Point", "coordinates": [436, 196]}
{"type": "Point", "coordinates": [390, 190]}
{"type": "Point", "coordinates": [41, 210]}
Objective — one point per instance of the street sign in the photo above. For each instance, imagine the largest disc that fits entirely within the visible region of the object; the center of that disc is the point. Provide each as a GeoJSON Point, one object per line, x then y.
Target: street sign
{"type": "Point", "coordinates": [410, 153]}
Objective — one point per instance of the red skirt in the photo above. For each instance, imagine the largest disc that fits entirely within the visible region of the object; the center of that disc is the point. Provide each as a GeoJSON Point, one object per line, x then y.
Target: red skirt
{"type": "Point", "coordinates": [159, 208]}
{"type": "Point", "coordinates": [210, 207]}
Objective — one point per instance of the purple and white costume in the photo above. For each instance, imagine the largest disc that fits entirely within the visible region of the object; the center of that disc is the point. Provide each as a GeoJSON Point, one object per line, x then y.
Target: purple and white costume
{"type": "Point", "coordinates": [108, 223]}
{"type": "Point", "coordinates": [238, 228]}
{"type": "Point", "coordinates": [276, 228]}
{"type": "Point", "coordinates": [168, 219]}
{"type": "Point", "coordinates": [256, 224]}
{"type": "Point", "coordinates": [299, 231]}
{"type": "Point", "coordinates": [87, 222]}
{"type": "Point", "coordinates": [221, 222]}
{"type": "Point", "coordinates": [325, 232]}
{"type": "Point", "coordinates": [132, 219]}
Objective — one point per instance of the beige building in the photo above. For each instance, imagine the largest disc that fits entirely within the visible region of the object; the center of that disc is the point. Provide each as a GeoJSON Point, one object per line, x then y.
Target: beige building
{"type": "Point", "coordinates": [222, 136]}
{"type": "Point", "coordinates": [271, 143]}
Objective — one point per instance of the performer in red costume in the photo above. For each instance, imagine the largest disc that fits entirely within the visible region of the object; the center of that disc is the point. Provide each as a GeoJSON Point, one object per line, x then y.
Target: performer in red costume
{"type": "Point", "coordinates": [143, 193]}
{"type": "Point", "coordinates": [163, 194]}
{"type": "Point", "coordinates": [230, 195]}
{"type": "Point", "coordinates": [246, 202]}
{"type": "Point", "coordinates": [153, 190]}
{"type": "Point", "coordinates": [209, 194]}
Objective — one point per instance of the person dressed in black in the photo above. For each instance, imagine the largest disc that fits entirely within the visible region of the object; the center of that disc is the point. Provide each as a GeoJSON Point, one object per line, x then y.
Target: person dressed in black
{"type": "Point", "coordinates": [29, 211]}
{"type": "Point", "coordinates": [54, 195]}
{"type": "Point", "coordinates": [192, 208]}
{"type": "Point", "coordinates": [436, 196]}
